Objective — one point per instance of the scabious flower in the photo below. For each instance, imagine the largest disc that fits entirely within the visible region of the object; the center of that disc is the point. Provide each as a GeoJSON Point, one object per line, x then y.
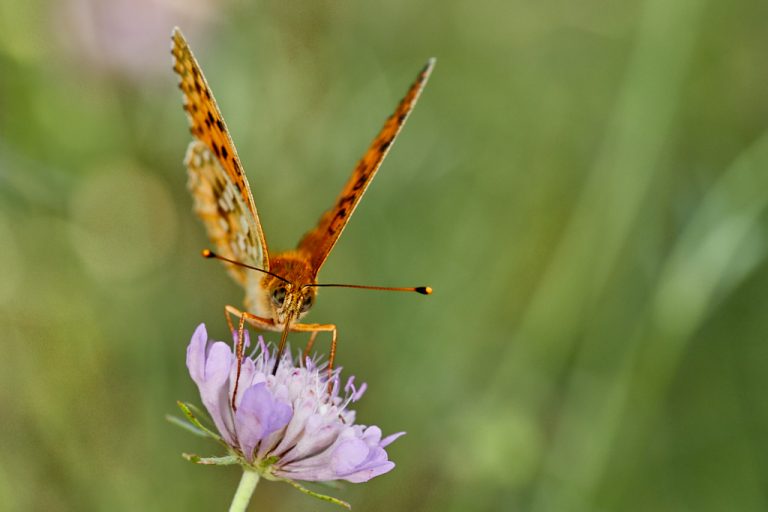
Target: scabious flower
{"type": "Point", "coordinates": [288, 426]}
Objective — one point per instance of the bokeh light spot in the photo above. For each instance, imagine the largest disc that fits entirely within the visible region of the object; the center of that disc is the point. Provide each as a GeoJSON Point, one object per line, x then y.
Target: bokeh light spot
{"type": "Point", "coordinates": [123, 223]}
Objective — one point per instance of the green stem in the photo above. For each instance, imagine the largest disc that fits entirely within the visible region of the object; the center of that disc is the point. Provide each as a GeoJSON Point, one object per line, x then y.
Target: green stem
{"type": "Point", "coordinates": [244, 491]}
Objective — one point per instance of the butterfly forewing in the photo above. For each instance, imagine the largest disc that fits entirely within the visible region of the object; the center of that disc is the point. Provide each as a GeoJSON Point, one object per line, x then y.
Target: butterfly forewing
{"type": "Point", "coordinates": [317, 244]}
{"type": "Point", "coordinates": [216, 179]}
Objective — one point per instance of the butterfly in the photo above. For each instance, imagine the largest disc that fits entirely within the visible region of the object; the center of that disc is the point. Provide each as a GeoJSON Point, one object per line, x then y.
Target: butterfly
{"type": "Point", "coordinates": [284, 285]}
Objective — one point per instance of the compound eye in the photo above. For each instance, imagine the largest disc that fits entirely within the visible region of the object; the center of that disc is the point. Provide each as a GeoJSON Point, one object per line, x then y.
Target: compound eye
{"type": "Point", "coordinates": [278, 296]}
{"type": "Point", "coordinates": [308, 300]}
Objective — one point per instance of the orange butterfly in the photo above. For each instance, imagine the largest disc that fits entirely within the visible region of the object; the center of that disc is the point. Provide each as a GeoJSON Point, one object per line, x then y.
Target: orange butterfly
{"type": "Point", "coordinates": [285, 286]}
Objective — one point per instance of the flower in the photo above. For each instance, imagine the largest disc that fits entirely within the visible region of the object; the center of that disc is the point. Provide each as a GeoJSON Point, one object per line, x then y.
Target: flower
{"type": "Point", "coordinates": [288, 426]}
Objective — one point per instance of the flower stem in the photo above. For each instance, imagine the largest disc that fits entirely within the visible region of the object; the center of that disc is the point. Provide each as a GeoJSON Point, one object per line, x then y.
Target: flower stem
{"type": "Point", "coordinates": [244, 491]}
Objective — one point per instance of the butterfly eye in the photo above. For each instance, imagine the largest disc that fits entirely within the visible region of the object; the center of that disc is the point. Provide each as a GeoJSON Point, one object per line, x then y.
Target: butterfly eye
{"type": "Point", "coordinates": [278, 296]}
{"type": "Point", "coordinates": [306, 304]}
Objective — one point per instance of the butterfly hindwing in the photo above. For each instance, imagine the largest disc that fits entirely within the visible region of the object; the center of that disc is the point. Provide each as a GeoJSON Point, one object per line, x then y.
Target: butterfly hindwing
{"type": "Point", "coordinates": [317, 244]}
{"type": "Point", "coordinates": [218, 184]}
{"type": "Point", "coordinates": [220, 206]}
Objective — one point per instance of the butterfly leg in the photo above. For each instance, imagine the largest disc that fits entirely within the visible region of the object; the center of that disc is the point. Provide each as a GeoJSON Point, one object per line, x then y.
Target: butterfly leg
{"type": "Point", "coordinates": [269, 325]}
{"type": "Point", "coordinates": [240, 347]}
{"type": "Point", "coordinates": [314, 329]}
{"type": "Point", "coordinates": [256, 321]}
{"type": "Point", "coordinates": [310, 344]}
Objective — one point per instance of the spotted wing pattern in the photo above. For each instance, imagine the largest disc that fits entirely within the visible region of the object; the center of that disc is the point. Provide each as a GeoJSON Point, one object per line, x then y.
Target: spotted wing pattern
{"type": "Point", "coordinates": [217, 182]}
{"type": "Point", "coordinates": [225, 215]}
{"type": "Point", "coordinates": [317, 244]}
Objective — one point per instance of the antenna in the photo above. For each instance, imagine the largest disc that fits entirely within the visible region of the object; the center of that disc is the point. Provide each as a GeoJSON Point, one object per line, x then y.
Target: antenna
{"type": "Point", "coordinates": [424, 290]}
{"type": "Point", "coordinates": [207, 253]}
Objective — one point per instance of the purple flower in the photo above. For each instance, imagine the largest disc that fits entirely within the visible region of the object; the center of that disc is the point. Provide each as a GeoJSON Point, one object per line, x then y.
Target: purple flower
{"type": "Point", "coordinates": [288, 425]}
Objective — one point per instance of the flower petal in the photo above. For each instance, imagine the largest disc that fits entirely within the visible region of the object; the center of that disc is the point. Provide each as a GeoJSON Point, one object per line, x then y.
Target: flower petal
{"type": "Point", "coordinates": [302, 410]}
{"type": "Point", "coordinates": [348, 456]}
{"type": "Point", "coordinates": [196, 354]}
{"type": "Point", "coordinates": [258, 415]}
{"type": "Point", "coordinates": [319, 433]}
{"type": "Point", "coordinates": [390, 439]}
{"type": "Point", "coordinates": [372, 435]}
{"type": "Point", "coordinates": [368, 473]}
{"type": "Point", "coordinates": [247, 378]}
{"type": "Point", "coordinates": [214, 388]}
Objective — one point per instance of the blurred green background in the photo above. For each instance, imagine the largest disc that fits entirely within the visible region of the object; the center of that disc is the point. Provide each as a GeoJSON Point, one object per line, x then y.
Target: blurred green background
{"type": "Point", "coordinates": [584, 184]}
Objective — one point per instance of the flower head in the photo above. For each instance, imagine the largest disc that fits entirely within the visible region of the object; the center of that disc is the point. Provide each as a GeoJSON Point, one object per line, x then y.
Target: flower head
{"type": "Point", "coordinates": [291, 425]}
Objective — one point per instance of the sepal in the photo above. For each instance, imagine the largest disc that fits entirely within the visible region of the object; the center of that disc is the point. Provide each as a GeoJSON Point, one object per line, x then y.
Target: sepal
{"type": "Point", "coordinates": [227, 460]}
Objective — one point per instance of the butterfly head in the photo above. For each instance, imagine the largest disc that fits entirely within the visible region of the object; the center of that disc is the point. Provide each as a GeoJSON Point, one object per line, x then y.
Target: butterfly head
{"type": "Point", "coordinates": [290, 301]}
{"type": "Point", "coordinates": [287, 291]}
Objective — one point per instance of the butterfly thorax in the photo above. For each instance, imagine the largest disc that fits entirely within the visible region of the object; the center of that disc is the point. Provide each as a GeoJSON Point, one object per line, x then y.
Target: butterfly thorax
{"type": "Point", "coordinates": [284, 299]}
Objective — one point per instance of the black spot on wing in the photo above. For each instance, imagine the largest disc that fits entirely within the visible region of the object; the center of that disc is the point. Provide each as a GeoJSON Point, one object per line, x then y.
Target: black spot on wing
{"type": "Point", "coordinates": [346, 199]}
{"type": "Point", "coordinates": [361, 180]}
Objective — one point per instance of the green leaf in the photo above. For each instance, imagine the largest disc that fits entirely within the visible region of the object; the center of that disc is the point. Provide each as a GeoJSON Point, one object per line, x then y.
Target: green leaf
{"type": "Point", "coordinates": [227, 460]}
{"type": "Point", "coordinates": [201, 416]}
{"type": "Point", "coordinates": [186, 409]}
{"type": "Point", "coordinates": [317, 495]}
{"type": "Point", "coordinates": [186, 425]}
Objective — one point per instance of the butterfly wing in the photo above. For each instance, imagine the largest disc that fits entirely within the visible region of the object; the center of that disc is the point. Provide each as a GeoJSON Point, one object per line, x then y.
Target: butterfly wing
{"type": "Point", "coordinates": [226, 216]}
{"type": "Point", "coordinates": [217, 182]}
{"type": "Point", "coordinates": [317, 244]}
